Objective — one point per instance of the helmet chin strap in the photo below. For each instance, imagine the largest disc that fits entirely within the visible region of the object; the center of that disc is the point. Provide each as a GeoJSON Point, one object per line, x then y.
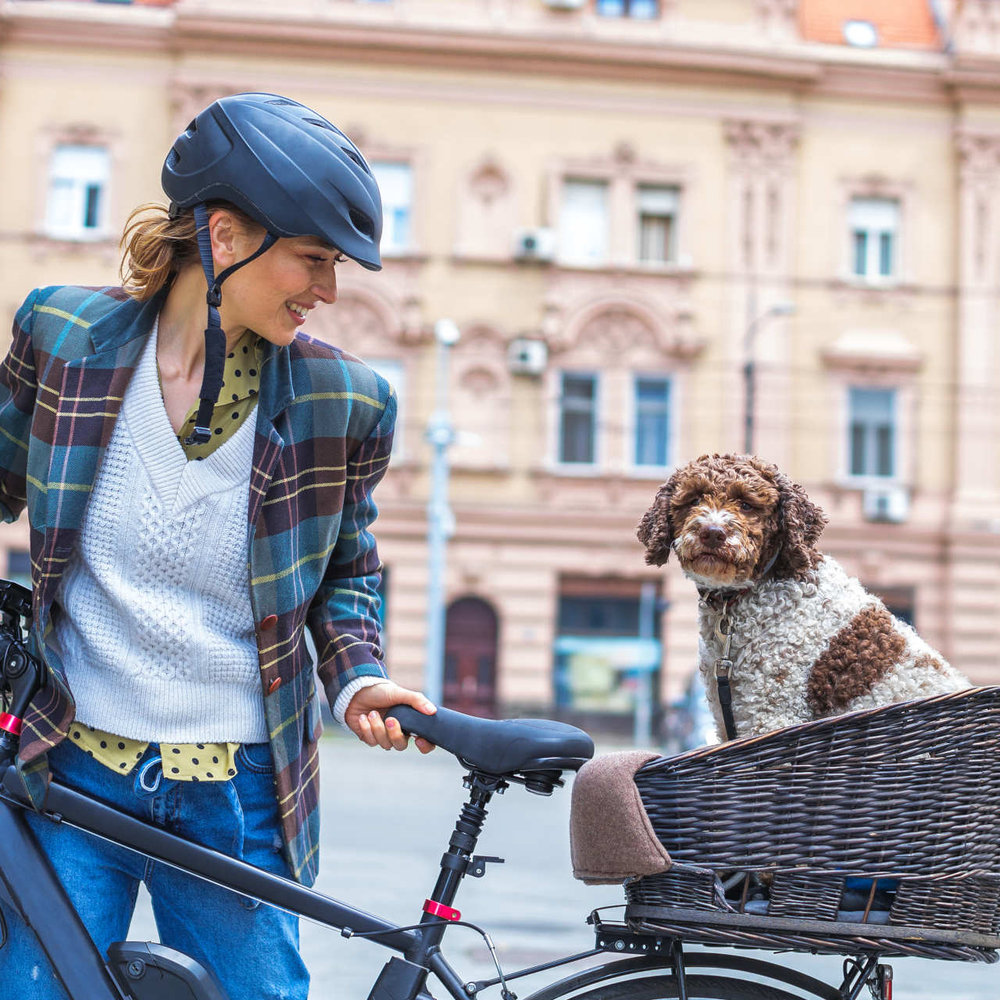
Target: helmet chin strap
{"type": "Point", "coordinates": [215, 338]}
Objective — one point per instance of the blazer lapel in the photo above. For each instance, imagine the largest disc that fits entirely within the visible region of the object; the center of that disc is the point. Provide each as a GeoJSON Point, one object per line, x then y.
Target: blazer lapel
{"type": "Point", "coordinates": [90, 398]}
{"type": "Point", "coordinates": [275, 396]}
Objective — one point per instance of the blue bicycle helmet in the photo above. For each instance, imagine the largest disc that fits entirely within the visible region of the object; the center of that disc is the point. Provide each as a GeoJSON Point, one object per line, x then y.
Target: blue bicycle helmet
{"type": "Point", "coordinates": [286, 167]}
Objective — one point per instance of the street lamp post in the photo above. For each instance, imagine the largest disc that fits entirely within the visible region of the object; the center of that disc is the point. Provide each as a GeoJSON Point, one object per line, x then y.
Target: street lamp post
{"type": "Point", "coordinates": [440, 521]}
{"type": "Point", "coordinates": [749, 369]}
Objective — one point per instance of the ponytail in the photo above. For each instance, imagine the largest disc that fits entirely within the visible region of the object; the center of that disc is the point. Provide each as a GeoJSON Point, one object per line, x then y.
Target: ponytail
{"type": "Point", "coordinates": [156, 246]}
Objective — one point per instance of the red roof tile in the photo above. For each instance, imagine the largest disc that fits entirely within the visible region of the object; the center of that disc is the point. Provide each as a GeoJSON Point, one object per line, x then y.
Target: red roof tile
{"type": "Point", "coordinates": [901, 24]}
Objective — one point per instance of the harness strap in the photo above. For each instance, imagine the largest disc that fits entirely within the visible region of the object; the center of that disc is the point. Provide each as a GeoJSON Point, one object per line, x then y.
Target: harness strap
{"type": "Point", "coordinates": [215, 338]}
{"type": "Point", "coordinates": [726, 697]}
{"type": "Point", "coordinates": [724, 670]}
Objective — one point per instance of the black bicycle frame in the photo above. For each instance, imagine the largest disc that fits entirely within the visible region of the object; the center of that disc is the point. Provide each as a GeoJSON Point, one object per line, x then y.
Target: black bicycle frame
{"type": "Point", "coordinates": [35, 891]}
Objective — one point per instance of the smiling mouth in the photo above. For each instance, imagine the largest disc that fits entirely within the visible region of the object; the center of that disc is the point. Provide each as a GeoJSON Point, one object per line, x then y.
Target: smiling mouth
{"type": "Point", "coordinates": [300, 311]}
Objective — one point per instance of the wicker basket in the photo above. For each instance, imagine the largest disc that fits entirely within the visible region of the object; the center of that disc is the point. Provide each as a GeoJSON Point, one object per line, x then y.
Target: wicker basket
{"type": "Point", "coordinates": [908, 793]}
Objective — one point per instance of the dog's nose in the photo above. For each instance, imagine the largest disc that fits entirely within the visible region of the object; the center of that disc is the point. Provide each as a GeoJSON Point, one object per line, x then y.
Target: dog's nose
{"type": "Point", "coordinates": [711, 535]}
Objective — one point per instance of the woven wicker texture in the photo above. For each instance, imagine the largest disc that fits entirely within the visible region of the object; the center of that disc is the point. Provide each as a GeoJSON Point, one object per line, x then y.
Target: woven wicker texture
{"type": "Point", "coordinates": [909, 792]}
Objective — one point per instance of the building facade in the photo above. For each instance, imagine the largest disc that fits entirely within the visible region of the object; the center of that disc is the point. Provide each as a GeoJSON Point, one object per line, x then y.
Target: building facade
{"type": "Point", "coordinates": [635, 211]}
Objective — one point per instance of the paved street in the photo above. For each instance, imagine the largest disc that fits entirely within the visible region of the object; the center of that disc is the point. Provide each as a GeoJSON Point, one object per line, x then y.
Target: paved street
{"type": "Point", "coordinates": [386, 821]}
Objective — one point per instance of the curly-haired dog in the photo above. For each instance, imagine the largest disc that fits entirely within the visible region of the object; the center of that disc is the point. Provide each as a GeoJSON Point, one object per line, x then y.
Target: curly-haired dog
{"type": "Point", "coordinates": [806, 640]}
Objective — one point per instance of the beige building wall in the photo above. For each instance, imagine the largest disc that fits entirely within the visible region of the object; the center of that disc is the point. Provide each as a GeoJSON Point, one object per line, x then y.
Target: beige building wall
{"type": "Point", "coordinates": [494, 103]}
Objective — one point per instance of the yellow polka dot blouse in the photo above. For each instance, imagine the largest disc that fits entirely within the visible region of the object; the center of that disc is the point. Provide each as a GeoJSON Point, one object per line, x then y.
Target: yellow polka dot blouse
{"type": "Point", "coordinates": [192, 761]}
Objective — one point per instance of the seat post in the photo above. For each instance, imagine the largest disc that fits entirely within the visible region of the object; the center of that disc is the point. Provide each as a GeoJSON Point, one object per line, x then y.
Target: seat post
{"type": "Point", "coordinates": [455, 861]}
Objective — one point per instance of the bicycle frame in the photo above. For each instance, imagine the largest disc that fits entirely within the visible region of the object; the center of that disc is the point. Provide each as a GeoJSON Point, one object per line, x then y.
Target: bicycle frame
{"type": "Point", "coordinates": [33, 889]}
{"type": "Point", "coordinates": [32, 886]}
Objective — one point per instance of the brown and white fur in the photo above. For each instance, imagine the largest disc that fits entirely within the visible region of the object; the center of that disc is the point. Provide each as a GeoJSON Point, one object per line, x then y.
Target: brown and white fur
{"type": "Point", "coordinates": [808, 641]}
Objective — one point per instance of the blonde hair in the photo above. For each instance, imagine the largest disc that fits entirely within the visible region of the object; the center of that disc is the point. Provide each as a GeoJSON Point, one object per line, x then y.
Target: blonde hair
{"type": "Point", "coordinates": [156, 246]}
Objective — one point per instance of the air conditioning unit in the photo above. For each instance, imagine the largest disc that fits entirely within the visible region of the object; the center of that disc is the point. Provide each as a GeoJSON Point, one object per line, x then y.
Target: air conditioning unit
{"type": "Point", "coordinates": [535, 245]}
{"type": "Point", "coordinates": [527, 357]}
{"type": "Point", "coordinates": [886, 503]}
{"type": "Point", "coordinates": [564, 4]}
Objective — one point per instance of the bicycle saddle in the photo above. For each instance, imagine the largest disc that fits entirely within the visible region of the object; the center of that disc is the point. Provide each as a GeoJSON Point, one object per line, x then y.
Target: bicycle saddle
{"type": "Point", "coordinates": [500, 746]}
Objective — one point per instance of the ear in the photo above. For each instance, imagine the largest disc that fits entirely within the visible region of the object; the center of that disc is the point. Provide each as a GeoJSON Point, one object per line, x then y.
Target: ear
{"type": "Point", "coordinates": [656, 530]}
{"type": "Point", "coordinates": [222, 228]}
{"type": "Point", "coordinates": [802, 522]}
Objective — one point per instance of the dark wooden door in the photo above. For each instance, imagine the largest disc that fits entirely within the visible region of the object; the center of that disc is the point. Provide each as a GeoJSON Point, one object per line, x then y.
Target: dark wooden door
{"type": "Point", "coordinates": [470, 657]}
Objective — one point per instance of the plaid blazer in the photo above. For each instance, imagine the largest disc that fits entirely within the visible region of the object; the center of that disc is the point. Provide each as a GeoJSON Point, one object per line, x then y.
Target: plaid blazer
{"type": "Point", "coordinates": [323, 435]}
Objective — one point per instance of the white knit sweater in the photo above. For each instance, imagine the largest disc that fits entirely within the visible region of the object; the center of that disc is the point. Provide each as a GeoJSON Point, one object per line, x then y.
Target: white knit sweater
{"type": "Point", "coordinates": [157, 630]}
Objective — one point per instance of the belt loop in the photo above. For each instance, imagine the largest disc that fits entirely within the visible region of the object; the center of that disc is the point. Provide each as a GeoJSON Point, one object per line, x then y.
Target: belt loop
{"type": "Point", "coordinates": [144, 788]}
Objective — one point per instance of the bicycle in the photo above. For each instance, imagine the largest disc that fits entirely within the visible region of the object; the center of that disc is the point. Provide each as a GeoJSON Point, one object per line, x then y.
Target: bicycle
{"type": "Point", "coordinates": [644, 963]}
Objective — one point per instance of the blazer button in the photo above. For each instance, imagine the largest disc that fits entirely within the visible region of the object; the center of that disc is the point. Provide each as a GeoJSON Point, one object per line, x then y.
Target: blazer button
{"type": "Point", "coordinates": [274, 685]}
{"type": "Point", "coordinates": [268, 623]}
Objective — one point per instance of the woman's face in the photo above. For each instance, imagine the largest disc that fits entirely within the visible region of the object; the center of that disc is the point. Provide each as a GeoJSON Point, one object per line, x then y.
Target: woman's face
{"type": "Point", "coordinates": [273, 294]}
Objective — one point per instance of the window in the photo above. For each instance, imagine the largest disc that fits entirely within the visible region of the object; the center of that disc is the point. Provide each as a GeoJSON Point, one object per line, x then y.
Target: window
{"type": "Point", "coordinates": [874, 225]}
{"type": "Point", "coordinates": [578, 419]}
{"type": "Point", "coordinates": [78, 185]}
{"type": "Point", "coordinates": [395, 184]}
{"type": "Point", "coordinates": [652, 420]}
{"type": "Point", "coordinates": [600, 654]}
{"type": "Point", "coordinates": [583, 222]}
{"type": "Point", "coordinates": [872, 432]}
{"type": "Point", "coordinates": [640, 9]}
{"type": "Point", "coordinates": [657, 223]}
{"type": "Point", "coordinates": [861, 34]}
{"type": "Point", "coordinates": [394, 372]}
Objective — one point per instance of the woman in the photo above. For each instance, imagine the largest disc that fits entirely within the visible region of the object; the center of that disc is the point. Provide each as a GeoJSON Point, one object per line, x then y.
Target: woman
{"type": "Point", "coordinates": [199, 496]}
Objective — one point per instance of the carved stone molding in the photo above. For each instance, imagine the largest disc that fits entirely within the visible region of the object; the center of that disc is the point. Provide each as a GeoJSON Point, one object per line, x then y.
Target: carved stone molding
{"type": "Point", "coordinates": [188, 99]}
{"type": "Point", "coordinates": [977, 28]}
{"type": "Point", "coordinates": [873, 352]}
{"type": "Point", "coordinates": [978, 154]}
{"type": "Point", "coordinates": [619, 327]}
{"type": "Point", "coordinates": [760, 142]}
{"type": "Point", "coordinates": [779, 18]}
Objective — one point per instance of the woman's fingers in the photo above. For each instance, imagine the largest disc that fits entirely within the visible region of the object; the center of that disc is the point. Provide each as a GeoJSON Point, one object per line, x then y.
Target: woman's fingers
{"type": "Point", "coordinates": [386, 733]}
{"type": "Point", "coordinates": [396, 735]}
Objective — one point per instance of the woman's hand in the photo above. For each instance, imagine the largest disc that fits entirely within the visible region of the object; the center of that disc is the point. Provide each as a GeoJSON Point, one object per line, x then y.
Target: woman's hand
{"type": "Point", "coordinates": [365, 718]}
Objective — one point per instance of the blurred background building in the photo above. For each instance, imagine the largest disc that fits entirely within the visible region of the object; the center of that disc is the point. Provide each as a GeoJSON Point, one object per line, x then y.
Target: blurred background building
{"type": "Point", "coordinates": [641, 215]}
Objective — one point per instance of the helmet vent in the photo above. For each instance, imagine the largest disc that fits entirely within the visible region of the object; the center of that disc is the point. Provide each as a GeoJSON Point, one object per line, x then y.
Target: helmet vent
{"type": "Point", "coordinates": [192, 126]}
{"type": "Point", "coordinates": [362, 223]}
{"type": "Point", "coordinates": [320, 123]}
{"type": "Point", "coordinates": [357, 159]}
{"type": "Point", "coordinates": [282, 103]}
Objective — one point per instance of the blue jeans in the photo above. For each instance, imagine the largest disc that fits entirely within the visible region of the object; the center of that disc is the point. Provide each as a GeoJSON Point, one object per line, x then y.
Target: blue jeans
{"type": "Point", "coordinates": [252, 949]}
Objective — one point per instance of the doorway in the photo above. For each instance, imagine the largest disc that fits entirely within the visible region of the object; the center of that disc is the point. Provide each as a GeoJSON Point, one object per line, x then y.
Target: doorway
{"type": "Point", "coordinates": [470, 657]}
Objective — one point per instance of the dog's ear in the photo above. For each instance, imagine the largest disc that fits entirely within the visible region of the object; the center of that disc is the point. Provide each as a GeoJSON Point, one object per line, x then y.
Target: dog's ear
{"type": "Point", "coordinates": [656, 530]}
{"type": "Point", "coordinates": [802, 522]}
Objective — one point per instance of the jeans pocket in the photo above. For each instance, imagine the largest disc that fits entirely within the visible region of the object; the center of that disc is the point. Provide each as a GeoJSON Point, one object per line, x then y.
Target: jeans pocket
{"type": "Point", "coordinates": [255, 757]}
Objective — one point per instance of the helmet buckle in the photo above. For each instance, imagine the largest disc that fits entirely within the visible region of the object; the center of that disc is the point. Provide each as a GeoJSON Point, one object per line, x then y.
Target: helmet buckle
{"type": "Point", "coordinates": [214, 296]}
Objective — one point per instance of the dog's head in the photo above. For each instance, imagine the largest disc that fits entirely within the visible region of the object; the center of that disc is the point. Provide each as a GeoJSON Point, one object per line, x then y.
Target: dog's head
{"type": "Point", "coordinates": [732, 519]}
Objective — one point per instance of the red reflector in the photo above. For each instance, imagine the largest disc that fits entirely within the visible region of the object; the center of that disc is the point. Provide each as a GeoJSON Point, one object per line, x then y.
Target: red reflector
{"type": "Point", "coordinates": [11, 723]}
{"type": "Point", "coordinates": [440, 910]}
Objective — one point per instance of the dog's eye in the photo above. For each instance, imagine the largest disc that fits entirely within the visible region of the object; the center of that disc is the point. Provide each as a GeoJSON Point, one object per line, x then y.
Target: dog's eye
{"type": "Point", "coordinates": [746, 506]}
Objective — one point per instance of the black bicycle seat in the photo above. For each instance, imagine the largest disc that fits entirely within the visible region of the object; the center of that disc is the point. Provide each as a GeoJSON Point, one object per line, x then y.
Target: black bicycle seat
{"type": "Point", "coordinates": [500, 746]}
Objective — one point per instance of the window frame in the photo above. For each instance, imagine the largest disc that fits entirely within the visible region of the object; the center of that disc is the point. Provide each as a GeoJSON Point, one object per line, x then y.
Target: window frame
{"type": "Point", "coordinates": [894, 426]}
{"type": "Point", "coordinates": [906, 245]}
{"type": "Point", "coordinates": [79, 185]}
{"type": "Point", "coordinates": [605, 259]}
{"type": "Point", "coordinates": [626, 13]}
{"type": "Point", "coordinates": [407, 247]}
{"type": "Point", "coordinates": [875, 245]}
{"type": "Point", "coordinates": [596, 466]}
{"type": "Point", "coordinates": [631, 422]}
{"type": "Point", "coordinates": [624, 176]}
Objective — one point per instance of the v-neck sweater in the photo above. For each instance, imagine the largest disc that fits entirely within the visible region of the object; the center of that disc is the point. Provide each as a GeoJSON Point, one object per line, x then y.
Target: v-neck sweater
{"type": "Point", "coordinates": [158, 632]}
